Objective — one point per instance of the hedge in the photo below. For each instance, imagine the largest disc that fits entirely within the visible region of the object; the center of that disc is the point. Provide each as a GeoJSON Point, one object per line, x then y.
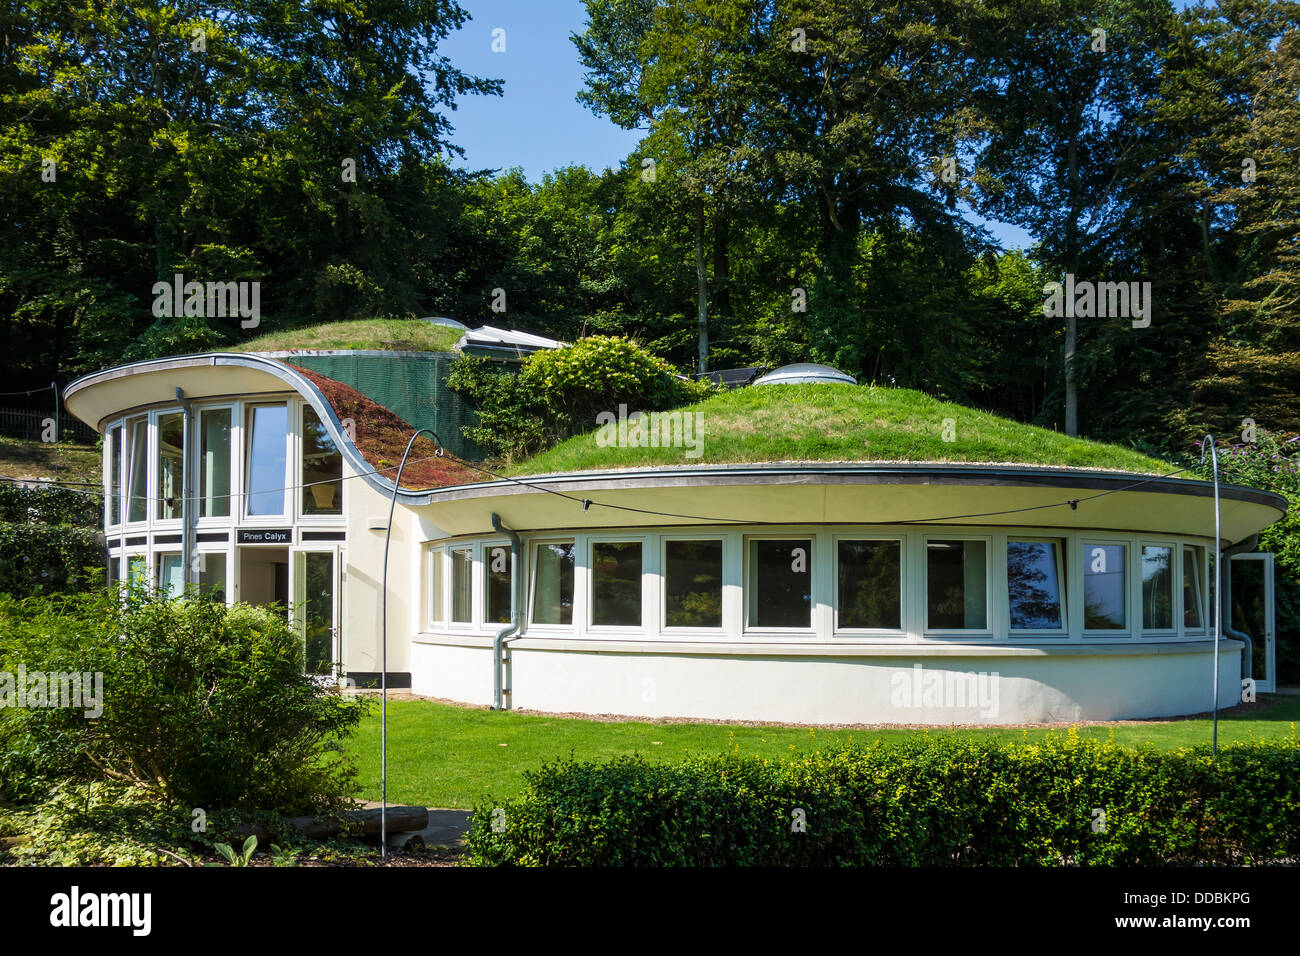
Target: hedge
{"type": "Point", "coordinates": [52, 505]}
{"type": "Point", "coordinates": [41, 558]}
{"type": "Point", "coordinates": [926, 802]}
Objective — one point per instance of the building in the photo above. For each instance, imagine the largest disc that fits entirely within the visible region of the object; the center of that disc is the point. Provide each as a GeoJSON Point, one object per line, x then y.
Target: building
{"type": "Point", "coordinates": [818, 591]}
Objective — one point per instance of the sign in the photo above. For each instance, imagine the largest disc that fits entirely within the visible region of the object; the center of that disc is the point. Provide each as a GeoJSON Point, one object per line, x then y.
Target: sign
{"type": "Point", "coordinates": [264, 536]}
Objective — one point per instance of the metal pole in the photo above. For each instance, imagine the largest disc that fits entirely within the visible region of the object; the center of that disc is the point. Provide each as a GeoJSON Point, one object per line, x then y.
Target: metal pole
{"type": "Point", "coordinates": [1218, 583]}
{"type": "Point", "coordinates": [383, 654]}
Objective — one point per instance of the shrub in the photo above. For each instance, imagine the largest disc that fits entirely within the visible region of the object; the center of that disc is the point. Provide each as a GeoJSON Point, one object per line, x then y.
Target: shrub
{"type": "Point", "coordinates": [925, 802]}
{"type": "Point", "coordinates": [41, 559]}
{"type": "Point", "coordinates": [559, 392]}
{"type": "Point", "coordinates": [49, 505]}
{"type": "Point", "coordinates": [203, 705]}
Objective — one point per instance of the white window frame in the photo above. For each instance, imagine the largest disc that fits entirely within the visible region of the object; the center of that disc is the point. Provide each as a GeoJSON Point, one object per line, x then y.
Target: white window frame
{"type": "Point", "coordinates": [990, 607]}
{"type": "Point", "coordinates": [1176, 604]}
{"type": "Point", "coordinates": [474, 596]}
{"type": "Point", "coordinates": [155, 468]}
{"type": "Point", "coordinates": [1060, 544]}
{"type": "Point", "coordinates": [287, 512]}
{"type": "Point", "coordinates": [531, 566]}
{"type": "Point", "coordinates": [649, 573]}
{"type": "Point", "coordinates": [1200, 554]}
{"type": "Point", "coordinates": [661, 607]}
{"type": "Point", "coordinates": [1132, 602]}
{"type": "Point", "coordinates": [296, 442]}
{"type": "Point", "coordinates": [236, 435]}
{"type": "Point", "coordinates": [814, 592]}
{"type": "Point", "coordinates": [904, 555]}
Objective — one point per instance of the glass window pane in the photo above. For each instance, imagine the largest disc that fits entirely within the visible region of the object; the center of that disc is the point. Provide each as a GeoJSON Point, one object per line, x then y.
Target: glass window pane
{"type": "Point", "coordinates": [462, 569]}
{"type": "Point", "coordinates": [212, 576]}
{"type": "Point", "coordinates": [137, 571]}
{"type": "Point", "coordinates": [496, 572]}
{"type": "Point", "coordinates": [318, 611]}
{"type": "Point", "coordinates": [693, 584]}
{"type": "Point", "coordinates": [171, 456]}
{"type": "Point", "coordinates": [322, 468]}
{"type": "Point", "coordinates": [267, 456]}
{"type": "Point", "coordinates": [116, 446]}
{"type": "Point", "coordinates": [435, 587]}
{"type": "Point", "coordinates": [780, 583]}
{"type": "Point", "coordinates": [957, 585]}
{"type": "Point", "coordinates": [1104, 584]}
{"type": "Point", "coordinates": [616, 584]}
{"type": "Point", "coordinates": [1033, 585]}
{"type": "Point", "coordinates": [870, 584]}
{"type": "Point", "coordinates": [553, 584]}
{"type": "Point", "coordinates": [1192, 600]}
{"type": "Point", "coordinates": [171, 575]}
{"type": "Point", "coordinates": [1157, 587]}
{"type": "Point", "coordinates": [214, 463]}
{"type": "Point", "coordinates": [138, 471]}
{"type": "Point", "coordinates": [114, 570]}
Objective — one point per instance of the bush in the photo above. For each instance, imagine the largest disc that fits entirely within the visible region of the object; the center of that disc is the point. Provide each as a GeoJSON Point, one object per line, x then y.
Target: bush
{"type": "Point", "coordinates": [202, 705]}
{"type": "Point", "coordinates": [50, 505]}
{"type": "Point", "coordinates": [42, 559]}
{"type": "Point", "coordinates": [559, 392]}
{"type": "Point", "coordinates": [925, 802]}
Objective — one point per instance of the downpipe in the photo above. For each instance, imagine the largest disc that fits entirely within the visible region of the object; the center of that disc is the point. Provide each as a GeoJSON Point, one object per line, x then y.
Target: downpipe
{"type": "Point", "coordinates": [500, 692]}
{"type": "Point", "coordinates": [1244, 546]}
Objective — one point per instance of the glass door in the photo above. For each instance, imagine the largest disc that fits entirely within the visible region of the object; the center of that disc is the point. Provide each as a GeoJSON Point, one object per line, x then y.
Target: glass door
{"type": "Point", "coordinates": [1252, 612]}
{"type": "Point", "coordinates": [316, 608]}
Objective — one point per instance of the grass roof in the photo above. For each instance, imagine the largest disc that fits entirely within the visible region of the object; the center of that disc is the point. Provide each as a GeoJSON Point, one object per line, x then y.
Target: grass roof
{"type": "Point", "coordinates": [846, 423]}
{"type": "Point", "coordinates": [395, 335]}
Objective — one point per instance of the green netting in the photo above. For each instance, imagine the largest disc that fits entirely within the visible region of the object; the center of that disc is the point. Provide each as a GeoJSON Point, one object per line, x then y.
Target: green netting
{"type": "Point", "coordinates": [412, 386]}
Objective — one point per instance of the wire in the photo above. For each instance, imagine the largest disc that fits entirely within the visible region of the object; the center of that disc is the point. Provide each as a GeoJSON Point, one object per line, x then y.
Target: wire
{"type": "Point", "coordinates": [30, 391]}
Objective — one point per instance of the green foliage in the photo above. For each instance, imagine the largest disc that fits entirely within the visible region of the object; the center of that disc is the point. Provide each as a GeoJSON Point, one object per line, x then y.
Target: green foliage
{"type": "Point", "coordinates": [50, 505]}
{"type": "Point", "coordinates": [45, 559]}
{"type": "Point", "coordinates": [559, 392]}
{"type": "Point", "coordinates": [927, 802]}
{"type": "Point", "coordinates": [237, 857]}
{"type": "Point", "coordinates": [202, 705]}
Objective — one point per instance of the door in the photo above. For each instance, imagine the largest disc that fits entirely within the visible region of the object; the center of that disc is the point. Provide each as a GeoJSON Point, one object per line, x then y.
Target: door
{"type": "Point", "coordinates": [1252, 612]}
{"type": "Point", "coordinates": [316, 608]}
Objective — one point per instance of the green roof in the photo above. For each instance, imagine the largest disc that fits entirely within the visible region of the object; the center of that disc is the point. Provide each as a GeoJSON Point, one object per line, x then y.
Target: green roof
{"type": "Point", "coordinates": [846, 423]}
{"type": "Point", "coordinates": [393, 335]}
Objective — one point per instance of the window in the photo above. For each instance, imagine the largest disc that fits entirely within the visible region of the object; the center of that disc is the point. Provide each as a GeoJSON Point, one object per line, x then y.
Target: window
{"type": "Point", "coordinates": [171, 463]}
{"type": "Point", "coordinates": [436, 612]}
{"type": "Point", "coordinates": [1157, 587]}
{"type": "Point", "coordinates": [138, 472]}
{"type": "Point", "coordinates": [214, 463]}
{"type": "Point", "coordinates": [956, 585]}
{"type": "Point", "coordinates": [1104, 585]}
{"type": "Point", "coordinates": [171, 574]}
{"type": "Point", "coordinates": [462, 598]}
{"type": "Point", "coordinates": [267, 457]}
{"type": "Point", "coordinates": [137, 571]}
{"type": "Point", "coordinates": [114, 570]}
{"type": "Point", "coordinates": [1193, 601]}
{"type": "Point", "coordinates": [553, 583]}
{"type": "Point", "coordinates": [780, 583]}
{"type": "Point", "coordinates": [693, 584]}
{"type": "Point", "coordinates": [1034, 576]}
{"type": "Point", "coordinates": [212, 576]}
{"type": "Point", "coordinates": [616, 584]}
{"type": "Point", "coordinates": [496, 584]}
{"type": "Point", "coordinates": [322, 468]}
{"type": "Point", "coordinates": [116, 446]}
{"type": "Point", "coordinates": [870, 584]}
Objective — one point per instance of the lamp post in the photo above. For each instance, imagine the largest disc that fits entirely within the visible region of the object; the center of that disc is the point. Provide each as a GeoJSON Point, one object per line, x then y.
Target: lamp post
{"type": "Point", "coordinates": [383, 653]}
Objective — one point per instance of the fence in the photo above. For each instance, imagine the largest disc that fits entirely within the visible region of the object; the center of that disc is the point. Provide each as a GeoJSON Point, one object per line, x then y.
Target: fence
{"type": "Point", "coordinates": [25, 423]}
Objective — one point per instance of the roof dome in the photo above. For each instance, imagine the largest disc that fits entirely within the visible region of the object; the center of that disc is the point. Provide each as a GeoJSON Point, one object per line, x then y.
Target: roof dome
{"type": "Point", "coordinates": [806, 373]}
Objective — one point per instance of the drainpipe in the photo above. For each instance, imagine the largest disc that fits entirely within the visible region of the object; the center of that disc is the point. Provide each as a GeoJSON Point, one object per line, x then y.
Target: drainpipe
{"type": "Point", "coordinates": [188, 444]}
{"type": "Point", "coordinates": [1243, 546]}
{"type": "Point", "coordinates": [499, 641]}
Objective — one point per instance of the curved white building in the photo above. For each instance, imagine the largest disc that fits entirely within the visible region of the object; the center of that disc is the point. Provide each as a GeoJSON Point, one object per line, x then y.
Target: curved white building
{"type": "Point", "coordinates": [839, 592]}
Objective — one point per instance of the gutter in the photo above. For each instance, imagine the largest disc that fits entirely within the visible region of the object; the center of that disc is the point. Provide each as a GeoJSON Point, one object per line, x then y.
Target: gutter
{"type": "Point", "coordinates": [1244, 546]}
{"type": "Point", "coordinates": [500, 693]}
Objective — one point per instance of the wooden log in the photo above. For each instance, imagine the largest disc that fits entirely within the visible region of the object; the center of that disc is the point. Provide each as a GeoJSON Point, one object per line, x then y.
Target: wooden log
{"type": "Point", "coordinates": [400, 820]}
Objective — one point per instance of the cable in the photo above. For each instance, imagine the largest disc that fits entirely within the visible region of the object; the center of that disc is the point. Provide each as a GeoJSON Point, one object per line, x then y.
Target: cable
{"type": "Point", "coordinates": [30, 391]}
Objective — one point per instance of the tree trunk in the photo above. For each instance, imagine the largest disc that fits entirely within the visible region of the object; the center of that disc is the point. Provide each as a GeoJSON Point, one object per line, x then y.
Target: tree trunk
{"type": "Point", "coordinates": [702, 286]}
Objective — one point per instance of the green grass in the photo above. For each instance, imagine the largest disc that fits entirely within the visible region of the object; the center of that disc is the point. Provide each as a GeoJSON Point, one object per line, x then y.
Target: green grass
{"type": "Point", "coordinates": [404, 335]}
{"type": "Point", "coordinates": [847, 423]}
{"type": "Point", "coordinates": [447, 756]}
{"type": "Point", "coordinates": [24, 458]}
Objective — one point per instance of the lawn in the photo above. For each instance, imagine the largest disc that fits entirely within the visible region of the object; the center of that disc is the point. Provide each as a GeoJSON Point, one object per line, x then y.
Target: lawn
{"type": "Point", "coordinates": [448, 756]}
{"type": "Point", "coordinates": [23, 458]}
{"type": "Point", "coordinates": [848, 423]}
{"type": "Point", "coordinates": [403, 335]}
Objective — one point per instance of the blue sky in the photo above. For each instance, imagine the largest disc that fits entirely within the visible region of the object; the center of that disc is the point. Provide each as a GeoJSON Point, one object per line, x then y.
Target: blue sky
{"type": "Point", "coordinates": [537, 124]}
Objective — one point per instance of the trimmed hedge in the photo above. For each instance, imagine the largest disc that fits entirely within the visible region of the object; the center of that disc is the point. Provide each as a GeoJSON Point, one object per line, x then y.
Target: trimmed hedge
{"type": "Point", "coordinates": [44, 559]}
{"type": "Point", "coordinates": [52, 505]}
{"type": "Point", "coordinates": [925, 802]}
